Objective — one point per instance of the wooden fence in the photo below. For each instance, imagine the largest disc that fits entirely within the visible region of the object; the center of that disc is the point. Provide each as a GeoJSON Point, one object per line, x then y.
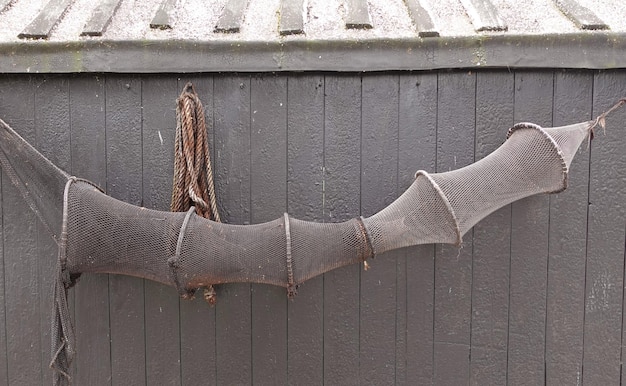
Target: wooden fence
{"type": "Point", "coordinates": [534, 296]}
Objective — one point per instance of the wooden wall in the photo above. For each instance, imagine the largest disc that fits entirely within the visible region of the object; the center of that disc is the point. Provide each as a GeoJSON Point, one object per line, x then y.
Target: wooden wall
{"type": "Point", "coordinates": [536, 294]}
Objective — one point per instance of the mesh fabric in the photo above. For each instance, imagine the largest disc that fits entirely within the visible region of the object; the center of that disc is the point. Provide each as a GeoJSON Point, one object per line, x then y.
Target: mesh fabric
{"type": "Point", "coordinates": [98, 234]}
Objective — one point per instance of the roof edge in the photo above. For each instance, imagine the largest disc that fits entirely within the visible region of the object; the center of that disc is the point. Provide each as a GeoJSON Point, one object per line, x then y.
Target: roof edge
{"type": "Point", "coordinates": [593, 50]}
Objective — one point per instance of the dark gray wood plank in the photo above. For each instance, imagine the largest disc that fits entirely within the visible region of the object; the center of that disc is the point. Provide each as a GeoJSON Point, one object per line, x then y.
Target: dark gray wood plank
{"type": "Point", "coordinates": [268, 186]}
{"type": "Point", "coordinates": [357, 14]}
{"type": "Point", "coordinates": [401, 311]}
{"type": "Point", "coordinates": [305, 168]}
{"type": "Point", "coordinates": [124, 182]}
{"type": "Point", "coordinates": [52, 123]}
{"type": "Point", "coordinates": [581, 16]}
{"type": "Point", "coordinates": [417, 150]}
{"type": "Point", "coordinates": [197, 317]}
{"type": "Point", "coordinates": [568, 241]}
{"type": "Point", "coordinates": [41, 27]}
{"type": "Point", "coordinates": [605, 238]}
{"type": "Point", "coordinates": [492, 252]}
{"type": "Point", "coordinates": [4, 366]}
{"type": "Point", "coordinates": [484, 15]}
{"type": "Point", "coordinates": [163, 17]}
{"type": "Point", "coordinates": [232, 16]}
{"type": "Point", "coordinates": [87, 122]}
{"type": "Point", "coordinates": [342, 176]}
{"type": "Point", "coordinates": [529, 248]}
{"type": "Point", "coordinates": [232, 185]}
{"type": "Point", "coordinates": [291, 17]}
{"type": "Point", "coordinates": [22, 308]}
{"type": "Point", "coordinates": [453, 266]}
{"type": "Point", "coordinates": [162, 328]}
{"type": "Point", "coordinates": [421, 18]}
{"type": "Point", "coordinates": [101, 18]}
{"type": "Point", "coordinates": [379, 187]}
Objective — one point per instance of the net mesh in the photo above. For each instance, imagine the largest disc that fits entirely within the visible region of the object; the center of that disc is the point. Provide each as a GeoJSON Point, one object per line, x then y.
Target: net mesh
{"type": "Point", "coordinates": [98, 234]}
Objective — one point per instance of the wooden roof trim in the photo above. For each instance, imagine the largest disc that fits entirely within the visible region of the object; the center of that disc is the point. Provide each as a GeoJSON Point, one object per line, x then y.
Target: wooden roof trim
{"type": "Point", "coordinates": [598, 50]}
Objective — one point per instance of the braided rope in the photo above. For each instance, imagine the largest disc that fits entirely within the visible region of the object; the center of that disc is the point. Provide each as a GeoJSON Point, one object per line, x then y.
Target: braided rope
{"type": "Point", "coordinates": [193, 173]}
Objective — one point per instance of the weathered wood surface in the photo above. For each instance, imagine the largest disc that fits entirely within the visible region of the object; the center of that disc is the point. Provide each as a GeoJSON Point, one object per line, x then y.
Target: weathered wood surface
{"type": "Point", "coordinates": [535, 294]}
{"type": "Point", "coordinates": [357, 14]}
{"type": "Point", "coordinates": [421, 19]}
{"type": "Point", "coordinates": [492, 242]}
{"type": "Point", "coordinates": [583, 17]}
{"type": "Point", "coordinates": [484, 15]}
{"type": "Point", "coordinates": [101, 18]}
{"type": "Point", "coordinates": [50, 16]}
{"type": "Point", "coordinates": [232, 16]}
{"type": "Point", "coordinates": [529, 247]}
{"type": "Point", "coordinates": [163, 17]}
{"type": "Point", "coordinates": [124, 182]}
{"type": "Point", "coordinates": [291, 17]}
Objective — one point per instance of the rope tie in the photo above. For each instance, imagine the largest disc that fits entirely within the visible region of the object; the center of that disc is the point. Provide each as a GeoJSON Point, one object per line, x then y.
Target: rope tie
{"type": "Point", "coordinates": [292, 288]}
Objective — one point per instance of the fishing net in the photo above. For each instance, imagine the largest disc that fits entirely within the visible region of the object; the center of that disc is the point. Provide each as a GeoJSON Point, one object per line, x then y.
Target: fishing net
{"type": "Point", "coordinates": [99, 234]}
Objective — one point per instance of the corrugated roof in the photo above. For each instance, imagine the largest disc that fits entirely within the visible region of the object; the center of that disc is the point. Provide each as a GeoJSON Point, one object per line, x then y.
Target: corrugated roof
{"type": "Point", "coordinates": [153, 35]}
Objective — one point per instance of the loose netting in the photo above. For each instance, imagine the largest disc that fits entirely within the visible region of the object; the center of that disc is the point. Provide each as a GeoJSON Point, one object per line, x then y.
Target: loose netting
{"type": "Point", "coordinates": [98, 234]}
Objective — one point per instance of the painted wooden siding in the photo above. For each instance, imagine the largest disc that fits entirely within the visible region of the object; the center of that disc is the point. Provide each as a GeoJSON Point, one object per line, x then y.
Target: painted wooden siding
{"type": "Point", "coordinates": [535, 295]}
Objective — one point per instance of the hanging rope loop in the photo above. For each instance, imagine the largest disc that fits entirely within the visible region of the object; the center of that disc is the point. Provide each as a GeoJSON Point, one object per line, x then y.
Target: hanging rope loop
{"type": "Point", "coordinates": [193, 173]}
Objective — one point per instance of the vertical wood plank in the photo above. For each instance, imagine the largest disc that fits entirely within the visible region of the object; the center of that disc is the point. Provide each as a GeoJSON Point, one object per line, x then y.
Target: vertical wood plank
{"type": "Point", "coordinates": [305, 160]}
{"type": "Point", "coordinates": [87, 123]}
{"type": "Point", "coordinates": [568, 241]}
{"type": "Point", "coordinates": [124, 182]}
{"type": "Point", "coordinates": [232, 186]}
{"type": "Point", "coordinates": [453, 266]}
{"type": "Point", "coordinates": [4, 367]}
{"type": "Point", "coordinates": [605, 239]}
{"type": "Point", "coordinates": [492, 240]}
{"type": "Point", "coordinates": [342, 181]}
{"type": "Point", "coordinates": [21, 255]}
{"type": "Point", "coordinates": [417, 150]}
{"type": "Point", "coordinates": [268, 202]}
{"type": "Point", "coordinates": [379, 187]}
{"type": "Point", "coordinates": [162, 327]}
{"type": "Point", "coordinates": [197, 318]}
{"type": "Point", "coordinates": [529, 247]}
{"type": "Point", "coordinates": [52, 124]}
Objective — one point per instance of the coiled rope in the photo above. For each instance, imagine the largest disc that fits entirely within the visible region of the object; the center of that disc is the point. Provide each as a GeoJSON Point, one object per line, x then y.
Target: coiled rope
{"type": "Point", "coordinates": [193, 174]}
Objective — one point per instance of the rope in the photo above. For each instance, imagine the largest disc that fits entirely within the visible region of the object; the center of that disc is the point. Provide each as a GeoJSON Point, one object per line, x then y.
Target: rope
{"type": "Point", "coordinates": [193, 174]}
{"type": "Point", "coordinates": [600, 119]}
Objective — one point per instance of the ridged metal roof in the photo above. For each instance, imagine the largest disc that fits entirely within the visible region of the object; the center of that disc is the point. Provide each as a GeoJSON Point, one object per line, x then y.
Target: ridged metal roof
{"type": "Point", "coordinates": [326, 34]}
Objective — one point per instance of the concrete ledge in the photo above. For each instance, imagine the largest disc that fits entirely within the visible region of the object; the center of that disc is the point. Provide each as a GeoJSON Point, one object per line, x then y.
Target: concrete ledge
{"type": "Point", "coordinates": [589, 50]}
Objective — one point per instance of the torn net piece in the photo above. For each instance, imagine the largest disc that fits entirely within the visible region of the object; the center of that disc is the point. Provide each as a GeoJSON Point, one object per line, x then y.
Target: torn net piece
{"type": "Point", "coordinates": [99, 234]}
